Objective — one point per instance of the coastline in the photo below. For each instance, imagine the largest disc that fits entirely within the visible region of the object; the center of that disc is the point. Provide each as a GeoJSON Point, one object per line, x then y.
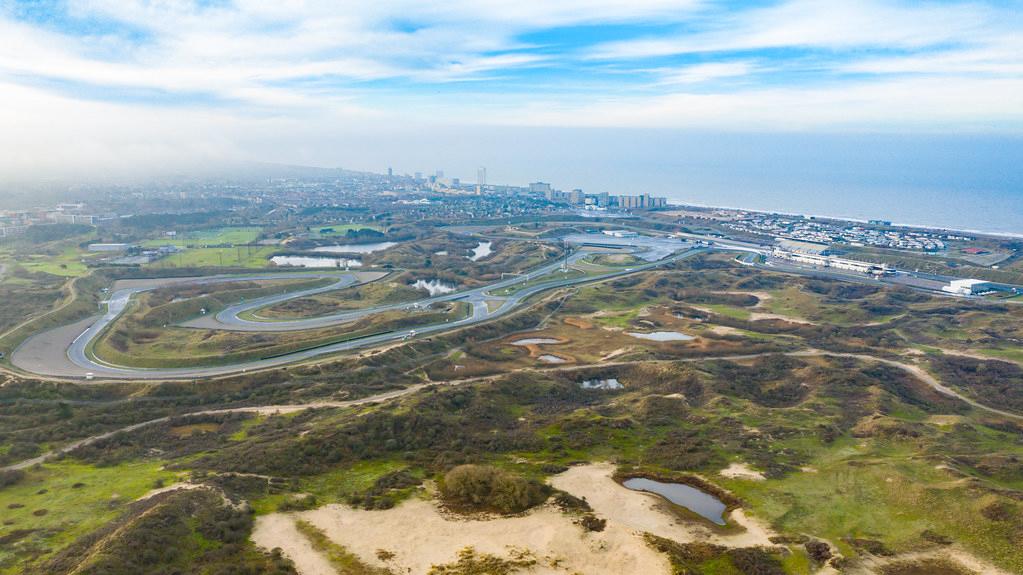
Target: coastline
{"type": "Point", "coordinates": [997, 234]}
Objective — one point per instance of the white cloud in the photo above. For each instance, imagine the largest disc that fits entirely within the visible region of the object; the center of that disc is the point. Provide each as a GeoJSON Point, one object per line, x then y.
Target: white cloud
{"type": "Point", "coordinates": [700, 73]}
{"type": "Point", "coordinates": [282, 81]}
{"type": "Point", "coordinates": [826, 24]}
{"type": "Point", "coordinates": [913, 104]}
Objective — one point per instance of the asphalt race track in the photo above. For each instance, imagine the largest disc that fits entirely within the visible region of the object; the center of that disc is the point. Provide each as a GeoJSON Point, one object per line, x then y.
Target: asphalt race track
{"type": "Point", "coordinates": [63, 352]}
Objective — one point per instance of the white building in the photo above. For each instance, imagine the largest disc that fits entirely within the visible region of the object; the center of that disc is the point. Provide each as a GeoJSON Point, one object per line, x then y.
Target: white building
{"type": "Point", "coordinates": [620, 233]}
{"type": "Point", "coordinates": [968, 287]}
{"type": "Point", "coordinates": [833, 262]}
{"type": "Point", "coordinates": [108, 247]}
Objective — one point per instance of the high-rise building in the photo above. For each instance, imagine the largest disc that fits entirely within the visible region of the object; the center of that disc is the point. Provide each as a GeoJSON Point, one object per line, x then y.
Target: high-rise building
{"type": "Point", "coordinates": [576, 197]}
{"type": "Point", "coordinates": [540, 188]}
{"type": "Point", "coordinates": [481, 179]}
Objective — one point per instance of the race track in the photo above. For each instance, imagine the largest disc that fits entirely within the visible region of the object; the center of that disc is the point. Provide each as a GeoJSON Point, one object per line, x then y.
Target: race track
{"type": "Point", "coordinates": [64, 352]}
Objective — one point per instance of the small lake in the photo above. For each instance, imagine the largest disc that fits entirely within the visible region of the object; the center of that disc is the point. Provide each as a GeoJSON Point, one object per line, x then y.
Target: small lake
{"type": "Point", "coordinates": [535, 341]}
{"type": "Point", "coordinates": [612, 383]}
{"type": "Point", "coordinates": [435, 287]}
{"type": "Point", "coordinates": [315, 262]}
{"type": "Point", "coordinates": [548, 358]}
{"type": "Point", "coordinates": [481, 251]}
{"type": "Point", "coordinates": [660, 335]}
{"type": "Point", "coordinates": [355, 248]}
{"type": "Point", "coordinates": [703, 504]}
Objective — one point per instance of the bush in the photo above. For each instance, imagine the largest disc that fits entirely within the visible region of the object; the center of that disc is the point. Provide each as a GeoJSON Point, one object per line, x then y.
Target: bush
{"type": "Point", "coordinates": [10, 477]}
{"type": "Point", "coordinates": [819, 551]}
{"type": "Point", "coordinates": [486, 488]}
{"type": "Point", "coordinates": [591, 522]}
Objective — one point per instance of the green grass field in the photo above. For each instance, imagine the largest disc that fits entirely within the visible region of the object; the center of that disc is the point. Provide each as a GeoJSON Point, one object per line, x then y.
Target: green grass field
{"type": "Point", "coordinates": [211, 237]}
{"type": "Point", "coordinates": [236, 257]}
{"type": "Point", "coordinates": [62, 501]}
{"type": "Point", "coordinates": [67, 264]}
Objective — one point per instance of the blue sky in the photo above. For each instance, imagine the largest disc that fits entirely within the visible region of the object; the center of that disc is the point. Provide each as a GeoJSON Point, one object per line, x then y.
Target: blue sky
{"type": "Point", "coordinates": [107, 82]}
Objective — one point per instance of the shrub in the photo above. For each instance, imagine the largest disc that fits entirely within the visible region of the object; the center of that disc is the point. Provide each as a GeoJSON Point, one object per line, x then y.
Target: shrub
{"type": "Point", "coordinates": [819, 551]}
{"type": "Point", "coordinates": [486, 488]}
{"type": "Point", "coordinates": [10, 477]}
{"type": "Point", "coordinates": [591, 522]}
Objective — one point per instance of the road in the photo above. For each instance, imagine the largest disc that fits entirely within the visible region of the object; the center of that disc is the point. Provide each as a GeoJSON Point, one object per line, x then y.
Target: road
{"type": "Point", "coordinates": [81, 363]}
{"type": "Point", "coordinates": [77, 351]}
{"type": "Point", "coordinates": [912, 369]}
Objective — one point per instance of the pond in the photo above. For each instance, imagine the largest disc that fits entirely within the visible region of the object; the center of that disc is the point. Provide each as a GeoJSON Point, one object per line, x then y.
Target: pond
{"type": "Point", "coordinates": [355, 248]}
{"type": "Point", "coordinates": [548, 358]}
{"type": "Point", "coordinates": [661, 335]}
{"type": "Point", "coordinates": [535, 341]}
{"type": "Point", "coordinates": [435, 287]}
{"type": "Point", "coordinates": [700, 502]}
{"type": "Point", "coordinates": [315, 262]}
{"type": "Point", "coordinates": [612, 383]}
{"type": "Point", "coordinates": [481, 251]}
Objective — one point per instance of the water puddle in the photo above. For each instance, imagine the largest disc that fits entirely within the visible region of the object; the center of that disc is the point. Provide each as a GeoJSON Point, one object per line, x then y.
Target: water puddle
{"type": "Point", "coordinates": [535, 341]}
{"type": "Point", "coordinates": [355, 248]}
{"type": "Point", "coordinates": [315, 262]}
{"type": "Point", "coordinates": [702, 503]}
{"type": "Point", "coordinates": [481, 251]}
{"type": "Point", "coordinates": [548, 358]}
{"type": "Point", "coordinates": [660, 335]}
{"type": "Point", "coordinates": [601, 384]}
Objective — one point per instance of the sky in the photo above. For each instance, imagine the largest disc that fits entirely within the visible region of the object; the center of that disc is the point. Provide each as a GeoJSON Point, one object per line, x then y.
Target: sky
{"type": "Point", "coordinates": [99, 87]}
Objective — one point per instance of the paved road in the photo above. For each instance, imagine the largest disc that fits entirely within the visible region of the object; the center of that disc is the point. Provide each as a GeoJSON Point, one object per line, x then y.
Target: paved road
{"type": "Point", "coordinates": [230, 318]}
{"type": "Point", "coordinates": [477, 298]}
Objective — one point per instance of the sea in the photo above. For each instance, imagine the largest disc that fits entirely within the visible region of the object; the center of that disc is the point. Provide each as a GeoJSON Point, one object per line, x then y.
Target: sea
{"type": "Point", "coordinates": [968, 182]}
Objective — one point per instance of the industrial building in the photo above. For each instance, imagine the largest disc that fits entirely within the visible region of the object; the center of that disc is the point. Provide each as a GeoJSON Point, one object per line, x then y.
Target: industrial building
{"type": "Point", "coordinates": [824, 261]}
{"type": "Point", "coordinates": [620, 233]}
{"type": "Point", "coordinates": [108, 247]}
{"type": "Point", "coordinates": [968, 287]}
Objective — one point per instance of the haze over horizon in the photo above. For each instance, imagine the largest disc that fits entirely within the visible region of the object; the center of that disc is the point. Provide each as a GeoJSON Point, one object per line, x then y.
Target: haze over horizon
{"type": "Point", "coordinates": [685, 97]}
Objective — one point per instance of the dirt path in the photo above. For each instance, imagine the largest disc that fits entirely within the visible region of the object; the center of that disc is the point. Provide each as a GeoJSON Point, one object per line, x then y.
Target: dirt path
{"type": "Point", "coordinates": [917, 371]}
{"type": "Point", "coordinates": [257, 409]}
{"type": "Point", "coordinates": [914, 370]}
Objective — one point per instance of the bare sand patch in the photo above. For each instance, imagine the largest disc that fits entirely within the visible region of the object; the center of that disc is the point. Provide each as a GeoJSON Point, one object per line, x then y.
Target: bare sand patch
{"type": "Point", "coordinates": [278, 530]}
{"type": "Point", "coordinates": [640, 511]}
{"type": "Point", "coordinates": [755, 316]}
{"type": "Point", "coordinates": [762, 296]}
{"type": "Point", "coordinates": [578, 322]}
{"type": "Point", "coordinates": [420, 536]}
{"type": "Point", "coordinates": [615, 353]}
{"type": "Point", "coordinates": [723, 330]}
{"type": "Point", "coordinates": [944, 420]}
{"type": "Point", "coordinates": [737, 470]}
{"type": "Point", "coordinates": [953, 555]}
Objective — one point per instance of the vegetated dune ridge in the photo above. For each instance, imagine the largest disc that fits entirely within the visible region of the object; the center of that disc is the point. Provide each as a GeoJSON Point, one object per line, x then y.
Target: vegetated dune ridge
{"type": "Point", "coordinates": [421, 535]}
